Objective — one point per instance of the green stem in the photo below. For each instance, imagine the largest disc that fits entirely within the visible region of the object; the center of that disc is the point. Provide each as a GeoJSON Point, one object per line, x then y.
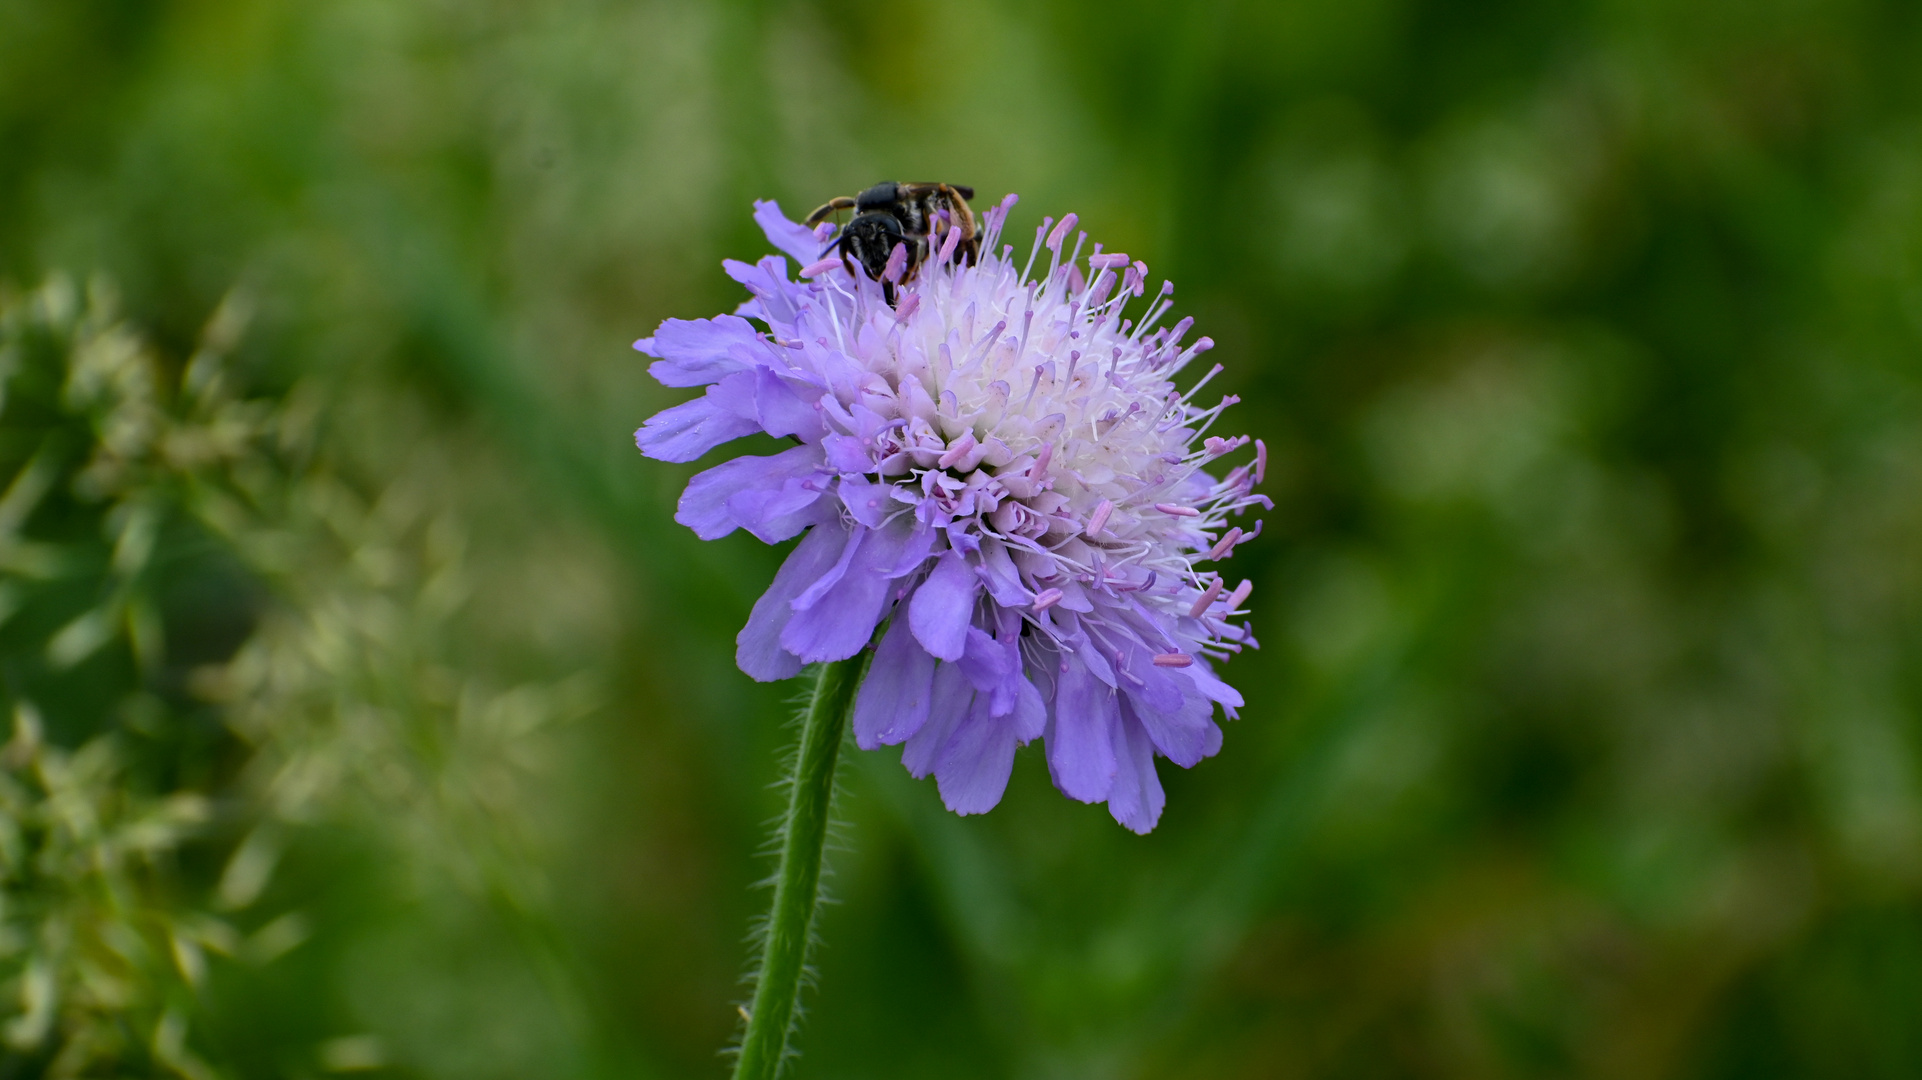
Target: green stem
{"type": "Point", "coordinates": [797, 883]}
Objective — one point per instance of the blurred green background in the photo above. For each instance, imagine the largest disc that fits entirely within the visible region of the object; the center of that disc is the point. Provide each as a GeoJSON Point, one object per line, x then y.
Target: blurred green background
{"type": "Point", "coordinates": [370, 715]}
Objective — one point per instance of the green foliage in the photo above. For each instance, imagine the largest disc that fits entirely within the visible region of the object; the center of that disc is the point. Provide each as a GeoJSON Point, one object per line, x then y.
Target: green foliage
{"type": "Point", "coordinates": [100, 968]}
{"type": "Point", "coordinates": [312, 681]}
{"type": "Point", "coordinates": [110, 770]}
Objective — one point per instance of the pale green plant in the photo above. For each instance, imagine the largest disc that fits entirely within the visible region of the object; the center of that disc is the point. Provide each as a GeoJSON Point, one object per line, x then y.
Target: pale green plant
{"type": "Point", "coordinates": [348, 704]}
{"type": "Point", "coordinates": [100, 968]}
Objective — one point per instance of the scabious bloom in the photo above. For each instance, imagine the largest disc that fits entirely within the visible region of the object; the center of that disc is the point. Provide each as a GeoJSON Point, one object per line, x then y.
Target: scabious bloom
{"type": "Point", "coordinates": [1000, 469]}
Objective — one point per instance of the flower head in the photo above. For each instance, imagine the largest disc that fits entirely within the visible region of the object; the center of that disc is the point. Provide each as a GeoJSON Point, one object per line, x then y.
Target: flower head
{"type": "Point", "coordinates": [1000, 468]}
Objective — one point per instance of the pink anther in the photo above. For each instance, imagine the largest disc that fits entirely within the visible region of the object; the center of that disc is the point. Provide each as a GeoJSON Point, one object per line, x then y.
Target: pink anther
{"type": "Point", "coordinates": [957, 450]}
{"type": "Point", "coordinates": [1173, 659]}
{"type": "Point", "coordinates": [1225, 545]}
{"type": "Point", "coordinates": [1240, 594]}
{"type": "Point", "coordinates": [1046, 599]}
{"type": "Point", "coordinates": [1111, 261]}
{"type": "Point", "coordinates": [814, 270]}
{"type": "Point", "coordinates": [1177, 511]}
{"type": "Point", "coordinates": [1060, 232]}
{"type": "Point", "coordinates": [1098, 519]}
{"type": "Point", "coordinates": [1261, 460]}
{"type": "Point", "coordinates": [897, 263]}
{"type": "Point", "coordinates": [1206, 600]}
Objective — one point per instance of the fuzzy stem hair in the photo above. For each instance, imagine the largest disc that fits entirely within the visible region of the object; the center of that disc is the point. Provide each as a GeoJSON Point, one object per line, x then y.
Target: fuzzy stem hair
{"type": "Point", "coordinates": [797, 881]}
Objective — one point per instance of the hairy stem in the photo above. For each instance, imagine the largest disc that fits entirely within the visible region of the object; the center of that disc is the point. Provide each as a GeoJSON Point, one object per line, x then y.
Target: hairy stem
{"type": "Point", "coordinates": [797, 883]}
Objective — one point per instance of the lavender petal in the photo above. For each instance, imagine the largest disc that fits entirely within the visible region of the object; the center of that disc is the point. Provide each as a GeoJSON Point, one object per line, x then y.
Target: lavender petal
{"type": "Point", "coordinates": [758, 649]}
{"type": "Point", "coordinates": [893, 702]}
{"type": "Point", "coordinates": [692, 428]}
{"type": "Point", "coordinates": [994, 668]}
{"type": "Point", "coordinates": [704, 506]}
{"type": "Point", "coordinates": [701, 351]}
{"type": "Point", "coordinates": [973, 769]}
{"type": "Point", "coordinates": [869, 502]}
{"type": "Point", "coordinates": [942, 607]}
{"type": "Point", "coordinates": [1185, 734]}
{"type": "Point", "coordinates": [1213, 688]}
{"type": "Point", "coordinates": [794, 238]}
{"type": "Point", "coordinates": [949, 701]}
{"type": "Point", "coordinates": [1081, 755]}
{"type": "Point", "coordinates": [1029, 717]}
{"type": "Point", "coordinates": [769, 283]}
{"type": "Point", "coordinates": [836, 616]}
{"type": "Point", "coordinates": [783, 410]}
{"type": "Point", "coordinates": [1136, 798]}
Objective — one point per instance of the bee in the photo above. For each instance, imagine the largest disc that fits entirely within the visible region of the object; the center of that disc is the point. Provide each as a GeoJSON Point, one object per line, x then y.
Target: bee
{"type": "Point", "coordinates": [917, 216]}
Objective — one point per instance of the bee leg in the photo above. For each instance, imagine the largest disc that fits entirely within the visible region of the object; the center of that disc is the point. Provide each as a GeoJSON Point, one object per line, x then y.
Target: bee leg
{"type": "Point", "coordinates": [887, 291]}
{"type": "Point", "coordinates": [841, 202]}
{"type": "Point", "coordinates": [917, 255]}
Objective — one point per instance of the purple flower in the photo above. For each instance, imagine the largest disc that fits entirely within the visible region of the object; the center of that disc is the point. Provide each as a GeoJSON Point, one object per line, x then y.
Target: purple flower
{"type": "Point", "coordinates": [1000, 469]}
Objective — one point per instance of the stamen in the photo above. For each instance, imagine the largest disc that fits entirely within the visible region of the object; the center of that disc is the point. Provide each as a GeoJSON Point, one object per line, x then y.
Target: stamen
{"type": "Point", "coordinates": [986, 342]}
{"type": "Point", "coordinates": [1173, 659]}
{"type": "Point", "coordinates": [1177, 511]}
{"type": "Point", "coordinates": [1032, 387]}
{"type": "Point", "coordinates": [1046, 599]}
{"type": "Point", "coordinates": [1099, 518]}
{"type": "Point", "coordinates": [813, 270]}
{"type": "Point", "coordinates": [997, 217]}
{"type": "Point", "coordinates": [1240, 594]}
{"type": "Point", "coordinates": [1036, 249]}
{"type": "Point", "coordinates": [897, 264]}
{"type": "Point", "coordinates": [1060, 232]}
{"type": "Point", "coordinates": [957, 450]}
{"type": "Point", "coordinates": [1261, 460]}
{"type": "Point", "coordinates": [1098, 292]}
{"type": "Point", "coordinates": [1110, 261]}
{"type": "Point", "coordinates": [1225, 545]}
{"type": "Point", "coordinates": [1207, 599]}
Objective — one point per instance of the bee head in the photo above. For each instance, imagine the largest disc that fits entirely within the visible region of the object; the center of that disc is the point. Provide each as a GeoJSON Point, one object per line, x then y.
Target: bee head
{"type": "Point", "coordinates": [870, 238]}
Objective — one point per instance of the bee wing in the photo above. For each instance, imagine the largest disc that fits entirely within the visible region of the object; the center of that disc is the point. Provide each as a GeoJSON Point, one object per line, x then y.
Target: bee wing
{"type": "Point", "coordinates": [946, 193]}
